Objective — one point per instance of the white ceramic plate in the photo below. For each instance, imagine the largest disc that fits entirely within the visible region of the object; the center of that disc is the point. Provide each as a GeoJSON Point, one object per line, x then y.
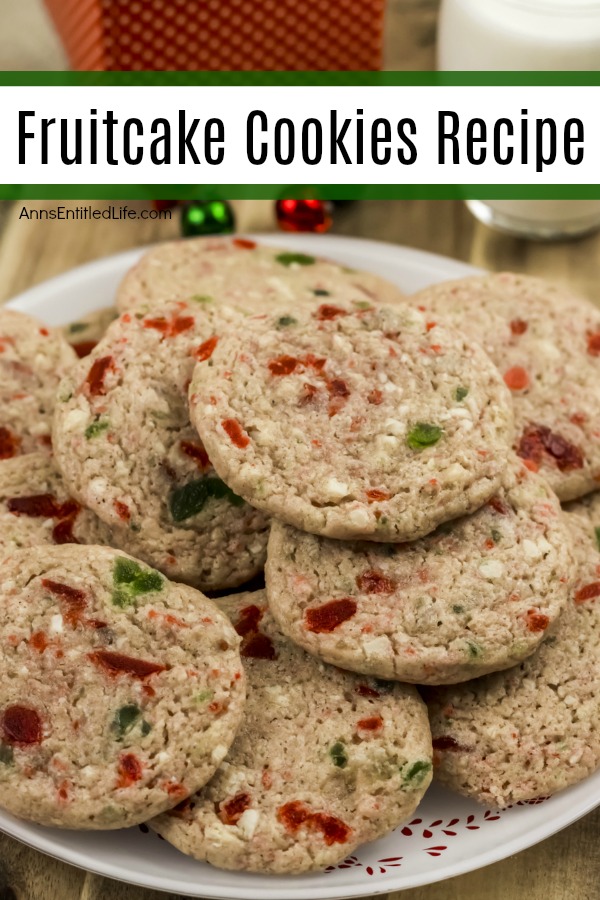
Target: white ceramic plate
{"type": "Point", "coordinates": [448, 836]}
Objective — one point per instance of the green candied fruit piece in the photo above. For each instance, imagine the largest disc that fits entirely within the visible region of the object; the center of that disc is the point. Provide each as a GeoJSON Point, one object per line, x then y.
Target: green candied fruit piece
{"type": "Point", "coordinates": [125, 718]}
{"type": "Point", "coordinates": [125, 570]}
{"type": "Point", "coordinates": [496, 536]}
{"type": "Point", "coordinates": [202, 298]}
{"type": "Point", "coordinates": [423, 435]}
{"type": "Point", "coordinates": [96, 428]}
{"type": "Point", "coordinates": [284, 321]}
{"type": "Point", "coordinates": [597, 533]}
{"type": "Point", "coordinates": [361, 304]}
{"type": "Point", "coordinates": [121, 598]}
{"type": "Point", "coordinates": [6, 754]}
{"type": "Point", "coordinates": [288, 259]}
{"type": "Point", "coordinates": [130, 580]}
{"type": "Point", "coordinates": [474, 650]}
{"type": "Point", "coordinates": [319, 292]}
{"type": "Point", "coordinates": [203, 696]}
{"type": "Point", "coordinates": [78, 327]}
{"type": "Point", "coordinates": [148, 582]}
{"type": "Point", "coordinates": [129, 572]}
{"type": "Point", "coordinates": [338, 755]}
{"type": "Point", "coordinates": [145, 728]}
{"type": "Point", "coordinates": [189, 500]}
{"type": "Point", "coordinates": [417, 772]}
{"type": "Point", "coordinates": [460, 393]}
{"type": "Point", "coordinates": [458, 609]}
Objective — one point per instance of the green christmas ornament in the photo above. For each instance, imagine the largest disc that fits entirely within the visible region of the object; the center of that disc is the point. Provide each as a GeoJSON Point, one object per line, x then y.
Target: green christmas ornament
{"type": "Point", "coordinates": [200, 217]}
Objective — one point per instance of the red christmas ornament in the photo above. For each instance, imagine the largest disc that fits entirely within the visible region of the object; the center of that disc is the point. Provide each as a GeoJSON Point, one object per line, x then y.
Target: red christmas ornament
{"type": "Point", "coordinates": [160, 205]}
{"type": "Point", "coordinates": [304, 215]}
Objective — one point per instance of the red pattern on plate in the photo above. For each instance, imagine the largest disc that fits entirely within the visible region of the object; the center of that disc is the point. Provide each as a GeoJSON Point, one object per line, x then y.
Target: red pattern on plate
{"type": "Point", "coordinates": [418, 830]}
{"type": "Point", "coordinates": [391, 862]}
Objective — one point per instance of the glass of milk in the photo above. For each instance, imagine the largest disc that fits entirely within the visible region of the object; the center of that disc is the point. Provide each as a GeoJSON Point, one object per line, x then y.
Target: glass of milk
{"type": "Point", "coordinates": [520, 35]}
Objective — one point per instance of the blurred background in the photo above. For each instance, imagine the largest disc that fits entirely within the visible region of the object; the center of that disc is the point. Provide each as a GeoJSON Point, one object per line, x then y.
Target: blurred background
{"type": "Point", "coordinates": [28, 39]}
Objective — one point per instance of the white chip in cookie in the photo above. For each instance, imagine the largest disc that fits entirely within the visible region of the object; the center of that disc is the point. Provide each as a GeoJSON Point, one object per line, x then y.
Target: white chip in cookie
{"type": "Point", "coordinates": [36, 509]}
{"type": "Point", "coordinates": [476, 596]}
{"type": "Point", "coordinates": [533, 730]}
{"type": "Point", "coordinates": [354, 423]}
{"type": "Point", "coordinates": [33, 359]}
{"type": "Point", "coordinates": [324, 760]}
{"type": "Point", "coordinates": [246, 275]}
{"type": "Point", "coordinates": [127, 450]}
{"type": "Point", "coordinates": [121, 692]}
{"type": "Point", "coordinates": [546, 343]}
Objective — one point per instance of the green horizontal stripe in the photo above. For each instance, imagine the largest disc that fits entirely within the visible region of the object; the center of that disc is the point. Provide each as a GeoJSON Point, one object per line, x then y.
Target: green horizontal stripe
{"type": "Point", "coordinates": [277, 192]}
{"type": "Point", "coordinates": [298, 79]}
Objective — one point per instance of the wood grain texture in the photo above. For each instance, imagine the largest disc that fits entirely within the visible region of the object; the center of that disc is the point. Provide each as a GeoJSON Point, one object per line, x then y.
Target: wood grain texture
{"type": "Point", "coordinates": [96, 888]}
{"type": "Point", "coordinates": [447, 227]}
{"type": "Point", "coordinates": [30, 875]}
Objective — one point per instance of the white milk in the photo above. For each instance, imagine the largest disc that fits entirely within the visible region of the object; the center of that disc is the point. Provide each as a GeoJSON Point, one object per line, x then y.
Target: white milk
{"type": "Point", "coordinates": [519, 34]}
{"type": "Point", "coordinates": [539, 218]}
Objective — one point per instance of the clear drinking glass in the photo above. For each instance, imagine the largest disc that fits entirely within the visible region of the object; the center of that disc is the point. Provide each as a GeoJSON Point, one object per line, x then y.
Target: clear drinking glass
{"type": "Point", "coordinates": [519, 34]}
{"type": "Point", "coordinates": [524, 35]}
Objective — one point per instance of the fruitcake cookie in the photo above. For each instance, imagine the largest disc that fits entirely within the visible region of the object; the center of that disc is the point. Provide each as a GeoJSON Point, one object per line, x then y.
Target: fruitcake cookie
{"type": "Point", "coordinates": [372, 423]}
{"type": "Point", "coordinates": [324, 761]}
{"type": "Point", "coordinates": [35, 507]}
{"type": "Point", "coordinates": [248, 276]}
{"type": "Point", "coordinates": [546, 343]}
{"type": "Point", "coordinates": [533, 730]}
{"type": "Point", "coordinates": [475, 596]}
{"type": "Point", "coordinates": [126, 448]}
{"type": "Point", "coordinates": [33, 359]}
{"type": "Point", "coordinates": [84, 334]}
{"type": "Point", "coordinates": [125, 691]}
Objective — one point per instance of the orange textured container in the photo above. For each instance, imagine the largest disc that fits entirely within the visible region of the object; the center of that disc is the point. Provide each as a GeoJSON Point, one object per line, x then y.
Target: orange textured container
{"type": "Point", "coordinates": [218, 35]}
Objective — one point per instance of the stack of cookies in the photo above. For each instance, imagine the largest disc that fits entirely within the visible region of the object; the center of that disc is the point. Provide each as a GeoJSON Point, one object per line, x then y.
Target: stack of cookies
{"type": "Point", "coordinates": [397, 462]}
{"type": "Point", "coordinates": [532, 730]}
